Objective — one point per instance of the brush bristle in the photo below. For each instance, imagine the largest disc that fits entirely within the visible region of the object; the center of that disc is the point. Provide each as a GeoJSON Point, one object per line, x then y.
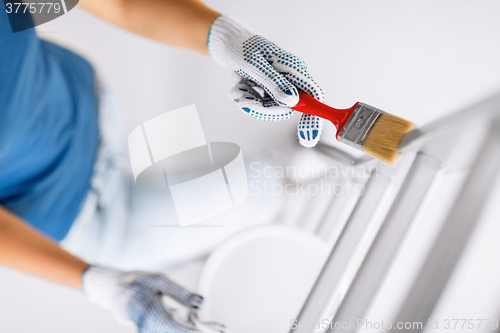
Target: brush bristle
{"type": "Point", "coordinates": [383, 140]}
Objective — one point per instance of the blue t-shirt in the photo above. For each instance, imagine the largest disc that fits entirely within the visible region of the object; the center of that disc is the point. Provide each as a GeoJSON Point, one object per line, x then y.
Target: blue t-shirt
{"type": "Point", "coordinates": [48, 130]}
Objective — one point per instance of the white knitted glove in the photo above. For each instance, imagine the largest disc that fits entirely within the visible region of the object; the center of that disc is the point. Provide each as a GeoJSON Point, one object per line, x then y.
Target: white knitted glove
{"type": "Point", "coordinates": [261, 64]}
{"type": "Point", "coordinates": [137, 297]}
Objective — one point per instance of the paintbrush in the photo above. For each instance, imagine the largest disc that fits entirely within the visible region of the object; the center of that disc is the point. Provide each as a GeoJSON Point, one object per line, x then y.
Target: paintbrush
{"type": "Point", "coordinates": [361, 126]}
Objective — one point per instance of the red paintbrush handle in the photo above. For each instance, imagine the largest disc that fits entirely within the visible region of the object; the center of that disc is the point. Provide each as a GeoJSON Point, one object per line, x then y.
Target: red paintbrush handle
{"type": "Point", "coordinates": [310, 105]}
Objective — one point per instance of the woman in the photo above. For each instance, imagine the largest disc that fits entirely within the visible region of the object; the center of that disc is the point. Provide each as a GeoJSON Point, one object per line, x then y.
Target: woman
{"type": "Point", "coordinates": [58, 143]}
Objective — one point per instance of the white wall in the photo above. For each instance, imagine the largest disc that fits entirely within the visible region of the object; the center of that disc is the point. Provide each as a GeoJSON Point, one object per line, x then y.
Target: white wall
{"type": "Point", "coordinates": [417, 59]}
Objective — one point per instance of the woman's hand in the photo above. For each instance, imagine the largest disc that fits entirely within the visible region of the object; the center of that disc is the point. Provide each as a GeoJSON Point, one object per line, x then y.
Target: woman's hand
{"type": "Point", "coordinates": [261, 65]}
{"type": "Point", "coordinates": [137, 297]}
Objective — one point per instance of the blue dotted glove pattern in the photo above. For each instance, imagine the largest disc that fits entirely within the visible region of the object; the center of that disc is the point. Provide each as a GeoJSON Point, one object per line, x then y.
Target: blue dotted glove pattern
{"type": "Point", "coordinates": [141, 302]}
{"type": "Point", "coordinates": [279, 72]}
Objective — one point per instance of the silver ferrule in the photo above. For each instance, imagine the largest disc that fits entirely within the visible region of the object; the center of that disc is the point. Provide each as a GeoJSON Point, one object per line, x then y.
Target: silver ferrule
{"type": "Point", "coordinates": [359, 125]}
